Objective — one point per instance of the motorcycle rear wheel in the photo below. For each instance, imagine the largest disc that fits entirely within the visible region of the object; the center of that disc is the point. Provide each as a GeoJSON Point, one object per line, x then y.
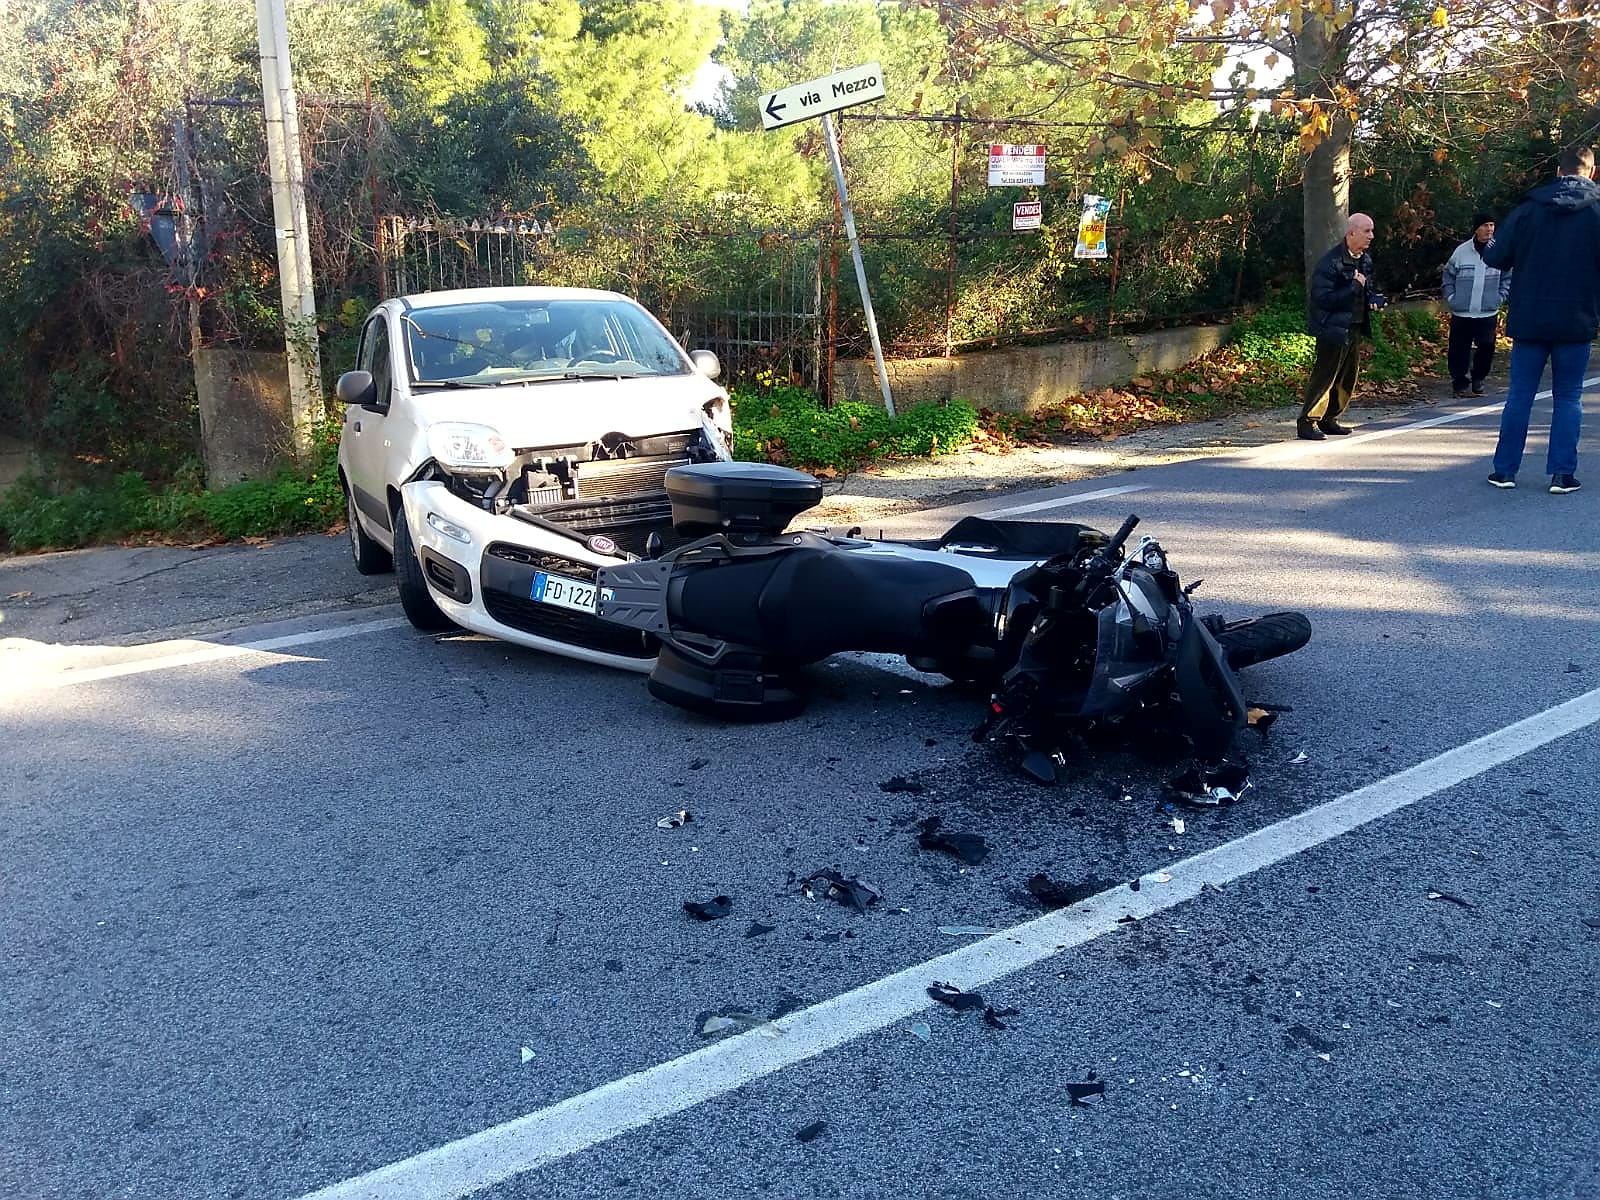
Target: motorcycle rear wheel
{"type": "Point", "coordinates": [1258, 639]}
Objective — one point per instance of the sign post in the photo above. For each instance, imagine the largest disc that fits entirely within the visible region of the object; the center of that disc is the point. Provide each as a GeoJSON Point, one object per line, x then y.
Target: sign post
{"type": "Point", "coordinates": [821, 98]}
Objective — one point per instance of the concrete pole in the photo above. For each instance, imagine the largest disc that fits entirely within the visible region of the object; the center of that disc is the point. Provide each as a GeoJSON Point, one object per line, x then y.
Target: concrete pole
{"type": "Point", "coordinates": [301, 349]}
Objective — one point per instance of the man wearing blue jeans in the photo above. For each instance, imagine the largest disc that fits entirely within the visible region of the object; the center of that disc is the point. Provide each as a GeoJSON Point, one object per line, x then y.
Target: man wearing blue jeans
{"type": "Point", "coordinates": [1553, 242]}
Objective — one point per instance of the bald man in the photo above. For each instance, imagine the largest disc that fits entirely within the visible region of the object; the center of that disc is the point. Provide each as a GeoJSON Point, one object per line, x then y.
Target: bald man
{"type": "Point", "coordinates": [1338, 315]}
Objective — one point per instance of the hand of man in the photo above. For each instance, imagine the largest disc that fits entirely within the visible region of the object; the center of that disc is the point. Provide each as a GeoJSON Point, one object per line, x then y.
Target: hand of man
{"type": "Point", "coordinates": [1361, 279]}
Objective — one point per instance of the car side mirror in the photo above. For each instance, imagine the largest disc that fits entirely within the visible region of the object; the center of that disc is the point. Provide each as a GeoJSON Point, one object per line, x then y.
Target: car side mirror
{"type": "Point", "coordinates": [358, 388]}
{"type": "Point", "coordinates": [707, 363]}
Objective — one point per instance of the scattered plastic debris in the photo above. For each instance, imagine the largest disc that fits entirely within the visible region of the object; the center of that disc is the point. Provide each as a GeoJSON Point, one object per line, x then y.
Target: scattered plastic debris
{"type": "Point", "coordinates": [919, 1030]}
{"type": "Point", "coordinates": [1592, 922]}
{"type": "Point", "coordinates": [1161, 877]}
{"type": "Point", "coordinates": [970, 848]}
{"type": "Point", "coordinates": [1327, 1058]}
{"type": "Point", "coordinates": [1573, 668]}
{"type": "Point", "coordinates": [527, 1056]}
{"type": "Point", "coordinates": [1260, 719]}
{"type": "Point", "coordinates": [1040, 766]}
{"type": "Point", "coordinates": [846, 891]}
{"type": "Point", "coordinates": [812, 1131]}
{"type": "Point", "coordinates": [1300, 759]}
{"type": "Point", "coordinates": [1079, 1092]}
{"type": "Point", "coordinates": [1225, 784]}
{"type": "Point", "coordinates": [1494, 1004]}
{"type": "Point", "coordinates": [676, 820]}
{"type": "Point", "coordinates": [899, 783]}
{"type": "Point", "coordinates": [713, 909]}
{"type": "Point", "coordinates": [952, 996]}
{"type": "Point", "coordinates": [1053, 894]}
{"type": "Point", "coordinates": [1178, 825]}
{"type": "Point", "coordinates": [757, 929]}
{"type": "Point", "coordinates": [968, 930]}
{"type": "Point", "coordinates": [1449, 899]}
{"type": "Point", "coordinates": [699, 764]}
{"type": "Point", "coordinates": [991, 1016]}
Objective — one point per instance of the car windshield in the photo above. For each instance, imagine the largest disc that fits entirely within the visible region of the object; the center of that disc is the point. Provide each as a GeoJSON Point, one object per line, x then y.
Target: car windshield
{"type": "Point", "coordinates": [494, 343]}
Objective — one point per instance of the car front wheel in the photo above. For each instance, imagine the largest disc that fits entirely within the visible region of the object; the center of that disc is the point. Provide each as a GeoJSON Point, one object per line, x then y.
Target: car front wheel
{"type": "Point", "coordinates": [370, 558]}
{"type": "Point", "coordinates": [415, 599]}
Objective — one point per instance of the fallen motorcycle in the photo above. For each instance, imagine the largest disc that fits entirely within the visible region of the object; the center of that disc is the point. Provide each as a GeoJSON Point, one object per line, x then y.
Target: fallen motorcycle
{"type": "Point", "coordinates": [1066, 630]}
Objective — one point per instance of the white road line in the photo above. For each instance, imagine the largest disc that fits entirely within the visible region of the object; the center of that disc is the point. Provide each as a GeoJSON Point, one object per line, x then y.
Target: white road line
{"type": "Point", "coordinates": [1297, 449]}
{"type": "Point", "coordinates": [1041, 505]}
{"type": "Point", "coordinates": [483, 1159]}
{"type": "Point", "coordinates": [48, 681]}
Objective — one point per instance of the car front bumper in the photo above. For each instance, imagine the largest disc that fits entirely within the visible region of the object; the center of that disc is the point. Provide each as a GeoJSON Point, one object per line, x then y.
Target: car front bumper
{"type": "Point", "coordinates": [481, 568]}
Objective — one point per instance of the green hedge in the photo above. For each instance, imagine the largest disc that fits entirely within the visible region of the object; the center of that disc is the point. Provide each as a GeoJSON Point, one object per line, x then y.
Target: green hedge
{"type": "Point", "coordinates": [783, 424]}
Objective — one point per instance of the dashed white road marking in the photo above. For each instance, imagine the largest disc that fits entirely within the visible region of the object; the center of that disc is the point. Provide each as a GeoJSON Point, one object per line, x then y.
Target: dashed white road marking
{"type": "Point", "coordinates": [525, 1143]}
{"type": "Point", "coordinates": [1063, 501]}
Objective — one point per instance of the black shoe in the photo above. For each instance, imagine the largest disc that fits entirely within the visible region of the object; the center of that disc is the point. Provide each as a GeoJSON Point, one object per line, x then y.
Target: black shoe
{"type": "Point", "coordinates": [1308, 431]}
{"type": "Point", "coordinates": [1335, 428]}
{"type": "Point", "coordinates": [1477, 389]}
{"type": "Point", "coordinates": [1462, 393]}
{"type": "Point", "coordinates": [1560, 485]}
{"type": "Point", "coordinates": [1502, 481]}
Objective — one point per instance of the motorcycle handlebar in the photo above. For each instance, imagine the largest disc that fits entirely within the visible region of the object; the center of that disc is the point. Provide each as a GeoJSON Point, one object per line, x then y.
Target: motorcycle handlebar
{"type": "Point", "coordinates": [1122, 534]}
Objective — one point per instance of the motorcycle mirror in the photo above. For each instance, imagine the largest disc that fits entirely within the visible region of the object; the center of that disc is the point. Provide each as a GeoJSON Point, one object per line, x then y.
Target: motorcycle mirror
{"type": "Point", "coordinates": [652, 546]}
{"type": "Point", "coordinates": [1040, 766]}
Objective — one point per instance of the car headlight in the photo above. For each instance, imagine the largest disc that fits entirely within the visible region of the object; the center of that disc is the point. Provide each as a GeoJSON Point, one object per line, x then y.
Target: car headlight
{"type": "Point", "coordinates": [461, 445]}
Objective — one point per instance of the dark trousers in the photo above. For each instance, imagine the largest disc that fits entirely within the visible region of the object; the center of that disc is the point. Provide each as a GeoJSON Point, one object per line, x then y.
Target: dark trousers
{"type": "Point", "coordinates": [1333, 379]}
{"type": "Point", "coordinates": [1471, 346]}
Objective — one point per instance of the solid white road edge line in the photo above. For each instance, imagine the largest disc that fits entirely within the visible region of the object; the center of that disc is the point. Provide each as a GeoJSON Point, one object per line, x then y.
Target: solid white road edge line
{"type": "Point", "coordinates": [68, 677]}
{"type": "Point", "coordinates": [1290, 450]}
{"type": "Point", "coordinates": [483, 1159]}
{"type": "Point", "coordinates": [1041, 505]}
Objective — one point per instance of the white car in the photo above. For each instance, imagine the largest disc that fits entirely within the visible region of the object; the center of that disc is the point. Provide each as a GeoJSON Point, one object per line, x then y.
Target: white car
{"type": "Point", "coordinates": [500, 444]}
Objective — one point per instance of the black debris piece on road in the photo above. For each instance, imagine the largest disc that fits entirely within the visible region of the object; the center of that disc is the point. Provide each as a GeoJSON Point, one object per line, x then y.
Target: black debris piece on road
{"type": "Point", "coordinates": [699, 763]}
{"type": "Point", "coordinates": [1573, 668]}
{"type": "Point", "coordinates": [846, 891]}
{"type": "Point", "coordinates": [1038, 765]}
{"type": "Point", "coordinates": [1299, 1033]}
{"type": "Point", "coordinates": [970, 848]}
{"type": "Point", "coordinates": [757, 929]}
{"type": "Point", "coordinates": [991, 1016]}
{"type": "Point", "coordinates": [1435, 894]}
{"type": "Point", "coordinates": [1079, 1092]}
{"type": "Point", "coordinates": [950, 995]}
{"type": "Point", "coordinates": [1260, 719]}
{"type": "Point", "coordinates": [812, 1131]}
{"type": "Point", "coordinates": [899, 783]}
{"type": "Point", "coordinates": [1210, 789]}
{"type": "Point", "coordinates": [713, 909]}
{"type": "Point", "coordinates": [1054, 894]}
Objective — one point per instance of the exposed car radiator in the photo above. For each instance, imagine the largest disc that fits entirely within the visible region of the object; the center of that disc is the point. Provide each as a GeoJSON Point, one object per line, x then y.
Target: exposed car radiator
{"type": "Point", "coordinates": [624, 477]}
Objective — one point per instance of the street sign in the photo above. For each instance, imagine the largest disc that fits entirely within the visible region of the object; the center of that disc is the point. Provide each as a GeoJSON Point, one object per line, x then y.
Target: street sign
{"type": "Point", "coordinates": [1016, 166]}
{"type": "Point", "coordinates": [803, 101]}
{"type": "Point", "coordinates": [1026, 214]}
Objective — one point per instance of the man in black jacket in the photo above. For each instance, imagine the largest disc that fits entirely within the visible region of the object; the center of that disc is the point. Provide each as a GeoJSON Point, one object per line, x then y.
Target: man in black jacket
{"type": "Point", "coordinates": [1339, 313]}
{"type": "Point", "coordinates": [1553, 242]}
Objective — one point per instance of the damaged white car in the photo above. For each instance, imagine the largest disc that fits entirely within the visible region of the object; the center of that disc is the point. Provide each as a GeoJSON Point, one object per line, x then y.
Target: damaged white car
{"type": "Point", "coordinates": [501, 444]}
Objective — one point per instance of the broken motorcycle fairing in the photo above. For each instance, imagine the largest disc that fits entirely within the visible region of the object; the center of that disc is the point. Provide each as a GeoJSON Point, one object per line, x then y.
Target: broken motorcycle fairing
{"type": "Point", "coordinates": [1064, 629]}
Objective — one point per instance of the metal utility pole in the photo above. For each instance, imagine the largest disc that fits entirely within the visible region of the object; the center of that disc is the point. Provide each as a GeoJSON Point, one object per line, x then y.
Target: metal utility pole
{"type": "Point", "coordinates": [301, 349]}
{"type": "Point", "coordinates": [832, 139]}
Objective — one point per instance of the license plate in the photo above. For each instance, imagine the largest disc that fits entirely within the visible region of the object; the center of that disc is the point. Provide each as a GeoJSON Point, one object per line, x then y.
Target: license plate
{"type": "Point", "coordinates": [564, 592]}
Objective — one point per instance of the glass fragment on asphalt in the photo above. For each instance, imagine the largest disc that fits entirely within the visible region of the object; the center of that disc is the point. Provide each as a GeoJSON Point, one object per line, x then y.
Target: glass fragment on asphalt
{"type": "Point", "coordinates": [676, 820]}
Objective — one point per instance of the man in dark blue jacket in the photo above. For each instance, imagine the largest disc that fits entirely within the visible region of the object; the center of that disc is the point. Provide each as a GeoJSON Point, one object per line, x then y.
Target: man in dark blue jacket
{"type": "Point", "coordinates": [1337, 316]}
{"type": "Point", "coordinates": [1553, 242]}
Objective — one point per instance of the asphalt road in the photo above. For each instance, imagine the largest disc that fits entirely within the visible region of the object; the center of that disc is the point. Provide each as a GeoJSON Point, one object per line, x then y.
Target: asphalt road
{"type": "Point", "coordinates": [275, 920]}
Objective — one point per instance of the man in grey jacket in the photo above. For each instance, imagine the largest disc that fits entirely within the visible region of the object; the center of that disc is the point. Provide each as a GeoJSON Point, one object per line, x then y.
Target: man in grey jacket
{"type": "Point", "coordinates": [1474, 291]}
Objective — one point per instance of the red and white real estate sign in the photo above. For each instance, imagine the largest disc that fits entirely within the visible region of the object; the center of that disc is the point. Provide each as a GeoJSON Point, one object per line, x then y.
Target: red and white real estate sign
{"type": "Point", "coordinates": [1016, 166]}
{"type": "Point", "coordinates": [1026, 214]}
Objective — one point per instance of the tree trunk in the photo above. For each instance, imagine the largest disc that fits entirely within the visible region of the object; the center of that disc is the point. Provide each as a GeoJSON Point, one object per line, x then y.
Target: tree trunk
{"type": "Point", "coordinates": [1325, 202]}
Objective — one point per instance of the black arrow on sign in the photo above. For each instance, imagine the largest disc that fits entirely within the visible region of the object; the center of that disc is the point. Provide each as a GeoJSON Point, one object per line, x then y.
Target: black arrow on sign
{"type": "Point", "coordinates": [773, 107]}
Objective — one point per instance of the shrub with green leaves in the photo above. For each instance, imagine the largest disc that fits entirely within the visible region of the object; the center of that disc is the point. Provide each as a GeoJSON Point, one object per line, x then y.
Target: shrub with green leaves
{"type": "Point", "coordinates": [784, 424]}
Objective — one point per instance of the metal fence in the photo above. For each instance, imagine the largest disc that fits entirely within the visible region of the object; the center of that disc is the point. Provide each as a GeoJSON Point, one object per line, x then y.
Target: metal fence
{"type": "Point", "coordinates": [754, 296]}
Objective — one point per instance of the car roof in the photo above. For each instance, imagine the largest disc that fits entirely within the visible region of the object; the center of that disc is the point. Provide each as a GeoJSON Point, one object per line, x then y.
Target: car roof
{"type": "Point", "coordinates": [493, 294]}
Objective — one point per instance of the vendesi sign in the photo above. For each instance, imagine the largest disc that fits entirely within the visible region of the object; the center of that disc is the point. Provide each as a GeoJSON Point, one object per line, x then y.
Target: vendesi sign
{"type": "Point", "coordinates": [1026, 214]}
{"type": "Point", "coordinates": [803, 101]}
{"type": "Point", "coordinates": [1016, 166]}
